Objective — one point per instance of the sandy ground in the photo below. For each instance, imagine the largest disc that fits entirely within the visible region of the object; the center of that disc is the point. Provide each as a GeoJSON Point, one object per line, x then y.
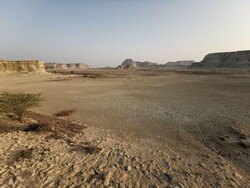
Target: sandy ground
{"type": "Point", "coordinates": [187, 129]}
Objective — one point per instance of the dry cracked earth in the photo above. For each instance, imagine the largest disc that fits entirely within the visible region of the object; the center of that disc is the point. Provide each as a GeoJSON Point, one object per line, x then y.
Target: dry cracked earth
{"type": "Point", "coordinates": [139, 129]}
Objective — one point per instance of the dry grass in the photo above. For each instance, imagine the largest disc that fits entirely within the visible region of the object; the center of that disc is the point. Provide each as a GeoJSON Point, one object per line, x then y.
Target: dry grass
{"type": "Point", "coordinates": [43, 123]}
{"type": "Point", "coordinates": [65, 113]}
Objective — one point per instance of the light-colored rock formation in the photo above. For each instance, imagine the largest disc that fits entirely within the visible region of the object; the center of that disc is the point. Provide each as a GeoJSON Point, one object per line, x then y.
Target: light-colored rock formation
{"type": "Point", "coordinates": [239, 59]}
{"type": "Point", "coordinates": [184, 63]}
{"type": "Point", "coordinates": [131, 64]}
{"type": "Point", "coordinates": [128, 64]}
{"type": "Point", "coordinates": [34, 67]}
{"type": "Point", "coordinates": [66, 66]}
{"type": "Point", "coordinates": [146, 64]}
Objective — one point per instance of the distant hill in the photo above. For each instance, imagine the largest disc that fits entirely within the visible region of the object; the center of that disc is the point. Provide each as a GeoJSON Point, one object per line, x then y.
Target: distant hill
{"type": "Point", "coordinates": [238, 59]}
{"type": "Point", "coordinates": [65, 66]}
{"type": "Point", "coordinates": [131, 64]}
{"type": "Point", "coordinates": [184, 63]}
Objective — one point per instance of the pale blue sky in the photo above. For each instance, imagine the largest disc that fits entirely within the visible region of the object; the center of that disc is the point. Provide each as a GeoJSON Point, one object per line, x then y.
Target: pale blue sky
{"type": "Point", "coordinates": [105, 32]}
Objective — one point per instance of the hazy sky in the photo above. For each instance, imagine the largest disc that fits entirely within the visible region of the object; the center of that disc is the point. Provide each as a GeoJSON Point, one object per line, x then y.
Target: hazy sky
{"type": "Point", "coordinates": [105, 32]}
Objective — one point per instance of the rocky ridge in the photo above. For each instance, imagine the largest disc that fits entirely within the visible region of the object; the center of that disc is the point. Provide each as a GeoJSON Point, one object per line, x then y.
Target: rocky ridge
{"type": "Point", "coordinates": [131, 64]}
{"type": "Point", "coordinates": [184, 63]}
{"type": "Point", "coordinates": [238, 59]}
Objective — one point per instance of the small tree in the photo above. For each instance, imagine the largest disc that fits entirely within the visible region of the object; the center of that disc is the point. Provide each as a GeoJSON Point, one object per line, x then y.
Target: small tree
{"type": "Point", "coordinates": [18, 103]}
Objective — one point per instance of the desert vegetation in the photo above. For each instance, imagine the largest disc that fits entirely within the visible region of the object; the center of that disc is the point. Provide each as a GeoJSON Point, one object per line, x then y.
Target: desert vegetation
{"type": "Point", "coordinates": [19, 103]}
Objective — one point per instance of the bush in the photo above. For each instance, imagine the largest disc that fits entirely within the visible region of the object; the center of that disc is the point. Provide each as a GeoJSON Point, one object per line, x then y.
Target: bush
{"type": "Point", "coordinates": [18, 103]}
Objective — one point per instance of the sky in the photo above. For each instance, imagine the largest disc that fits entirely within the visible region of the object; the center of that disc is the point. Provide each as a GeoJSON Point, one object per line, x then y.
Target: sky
{"type": "Point", "coordinates": [106, 32]}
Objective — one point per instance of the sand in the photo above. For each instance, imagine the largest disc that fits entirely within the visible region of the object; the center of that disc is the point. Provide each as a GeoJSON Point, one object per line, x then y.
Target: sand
{"type": "Point", "coordinates": [154, 128]}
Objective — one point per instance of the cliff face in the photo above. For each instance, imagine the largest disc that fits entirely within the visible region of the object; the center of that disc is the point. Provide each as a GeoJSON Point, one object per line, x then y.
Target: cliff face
{"type": "Point", "coordinates": [239, 59]}
{"type": "Point", "coordinates": [66, 66]}
{"type": "Point", "coordinates": [34, 67]}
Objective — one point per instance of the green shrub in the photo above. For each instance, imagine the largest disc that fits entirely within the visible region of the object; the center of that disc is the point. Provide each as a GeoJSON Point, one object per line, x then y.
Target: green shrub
{"type": "Point", "coordinates": [18, 103]}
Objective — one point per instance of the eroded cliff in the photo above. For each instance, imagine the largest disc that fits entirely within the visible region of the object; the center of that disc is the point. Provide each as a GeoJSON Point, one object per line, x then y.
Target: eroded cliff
{"type": "Point", "coordinates": [239, 59]}
{"type": "Point", "coordinates": [34, 67]}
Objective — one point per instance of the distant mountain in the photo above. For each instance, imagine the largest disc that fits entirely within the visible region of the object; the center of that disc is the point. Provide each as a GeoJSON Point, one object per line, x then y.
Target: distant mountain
{"type": "Point", "coordinates": [184, 63]}
{"type": "Point", "coordinates": [239, 59]}
{"type": "Point", "coordinates": [131, 64]}
{"type": "Point", "coordinates": [66, 66]}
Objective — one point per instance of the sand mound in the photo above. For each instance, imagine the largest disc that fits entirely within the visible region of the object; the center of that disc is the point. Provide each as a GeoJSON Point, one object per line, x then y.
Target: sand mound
{"type": "Point", "coordinates": [22, 67]}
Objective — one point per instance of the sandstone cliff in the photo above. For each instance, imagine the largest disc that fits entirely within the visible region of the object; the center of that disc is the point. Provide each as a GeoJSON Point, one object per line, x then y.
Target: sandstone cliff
{"type": "Point", "coordinates": [34, 67]}
{"type": "Point", "coordinates": [65, 66]}
{"type": "Point", "coordinates": [239, 59]}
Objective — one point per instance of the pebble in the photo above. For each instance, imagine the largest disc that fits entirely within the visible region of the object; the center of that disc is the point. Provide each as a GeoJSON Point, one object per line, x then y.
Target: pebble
{"type": "Point", "coordinates": [202, 164]}
{"type": "Point", "coordinates": [129, 168]}
{"type": "Point", "coordinates": [18, 166]}
{"type": "Point", "coordinates": [11, 181]}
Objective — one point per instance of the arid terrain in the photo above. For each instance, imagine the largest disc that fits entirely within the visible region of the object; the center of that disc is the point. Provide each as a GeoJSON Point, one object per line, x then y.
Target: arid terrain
{"type": "Point", "coordinates": [140, 128]}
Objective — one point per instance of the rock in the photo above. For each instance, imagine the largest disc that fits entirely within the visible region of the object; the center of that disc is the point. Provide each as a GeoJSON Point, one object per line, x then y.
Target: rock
{"type": "Point", "coordinates": [154, 186]}
{"type": "Point", "coordinates": [60, 66]}
{"type": "Point", "coordinates": [202, 164]}
{"type": "Point", "coordinates": [131, 64]}
{"type": "Point", "coordinates": [18, 166]}
{"type": "Point", "coordinates": [129, 168]}
{"type": "Point", "coordinates": [108, 175]}
{"type": "Point", "coordinates": [34, 67]}
{"type": "Point", "coordinates": [184, 63]}
{"type": "Point", "coordinates": [239, 59]}
{"type": "Point", "coordinates": [128, 64]}
{"type": "Point", "coordinates": [11, 181]}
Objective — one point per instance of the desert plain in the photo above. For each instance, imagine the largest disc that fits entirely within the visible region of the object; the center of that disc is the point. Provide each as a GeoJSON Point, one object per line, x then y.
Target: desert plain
{"type": "Point", "coordinates": [152, 128]}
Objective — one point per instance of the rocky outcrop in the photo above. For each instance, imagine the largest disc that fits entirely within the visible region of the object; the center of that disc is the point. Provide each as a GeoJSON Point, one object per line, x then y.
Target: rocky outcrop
{"type": "Point", "coordinates": [34, 67]}
{"type": "Point", "coordinates": [184, 63]}
{"type": "Point", "coordinates": [128, 64]}
{"type": "Point", "coordinates": [66, 66]}
{"type": "Point", "coordinates": [239, 59]}
{"type": "Point", "coordinates": [131, 64]}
